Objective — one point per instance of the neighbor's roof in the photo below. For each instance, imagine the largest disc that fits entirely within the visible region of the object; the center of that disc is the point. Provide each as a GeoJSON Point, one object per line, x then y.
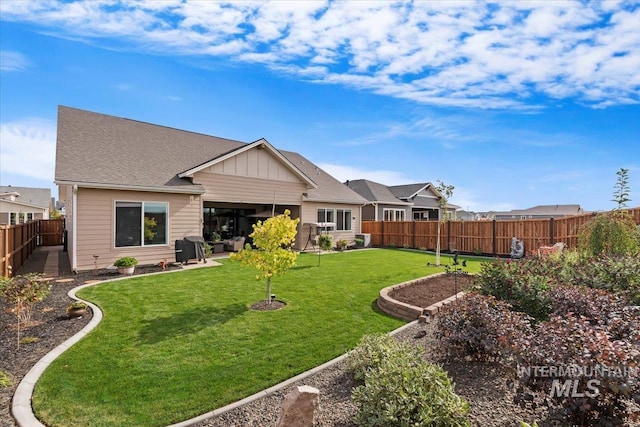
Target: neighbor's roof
{"type": "Point", "coordinates": [40, 197]}
{"type": "Point", "coordinates": [111, 152]}
{"type": "Point", "coordinates": [408, 191]}
{"type": "Point", "coordinates": [375, 192]}
{"type": "Point", "coordinates": [548, 210]}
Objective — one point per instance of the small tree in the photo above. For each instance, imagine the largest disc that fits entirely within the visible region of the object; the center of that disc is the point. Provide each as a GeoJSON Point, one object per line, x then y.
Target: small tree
{"type": "Point", "coordinates": [610, 233]}
{"type": "Point", "coordinates": [272, 254]}
{"type": "Point", "coordinates": [446, 191]}
{"type": "Point", "coordinates": [621, 189]}
{"type": "Point", "coordinates": [24, 292]}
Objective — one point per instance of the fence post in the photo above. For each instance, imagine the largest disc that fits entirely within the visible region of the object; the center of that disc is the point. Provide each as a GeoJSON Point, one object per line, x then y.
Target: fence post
{"type": "Point", "coordinates": [382, 237]}
{"type": "Point", "coordinates": [552, 231]}
{"type": "Point", "coordinates": [449, 235]}
{"type": "Point", "coordinates": [413, 232]}
{"type": "Point", "coordinates": [493, 232]}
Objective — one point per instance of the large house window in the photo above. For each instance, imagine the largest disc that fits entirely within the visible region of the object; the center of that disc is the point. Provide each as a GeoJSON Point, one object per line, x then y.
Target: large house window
{"type": "Point", "coordinates": [393, 214]}
{"type": "Point", "coordinates": [343, 222]}
{"type": "Point", "coordinates": [326, 215]}
{"type": "Point", "coordinates": [141, 223]}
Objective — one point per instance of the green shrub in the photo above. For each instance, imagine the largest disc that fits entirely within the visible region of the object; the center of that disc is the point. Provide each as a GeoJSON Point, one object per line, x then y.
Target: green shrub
{"type": "Point", "coordinates": [5, 381]}
{"type": "Point", "coordinates": [610, 233]}
{"type": "Point", "coordinates": [524, 284]}
{"type": "Point", "coordinates": [373, 349]}
{"type": "Point", "coordinates": [125, 261]}
{"type": "Point", "coordinates": [325, 241]}
{"type": "Point", "coordinates": [619, 274]}
{"type": "Point", "coordinates": [403, 391]}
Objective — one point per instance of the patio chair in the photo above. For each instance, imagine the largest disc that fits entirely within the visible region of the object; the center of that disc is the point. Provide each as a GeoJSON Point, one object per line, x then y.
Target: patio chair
{"type": "Point", "coordinates": [234, 245]}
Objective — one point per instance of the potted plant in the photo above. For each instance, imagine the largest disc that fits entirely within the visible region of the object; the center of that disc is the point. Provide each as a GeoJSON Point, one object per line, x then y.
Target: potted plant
{"type": "Point", "coordinates": [77, 309]}
{"type": "Point", "coordinates": [126, 264]}
{"type": "Point", "coordinates": [217, 245]}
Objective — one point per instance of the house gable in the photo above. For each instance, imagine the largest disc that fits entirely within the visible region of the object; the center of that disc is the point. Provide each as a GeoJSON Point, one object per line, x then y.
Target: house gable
{"type": "Point", "coordinates": [256, 160]}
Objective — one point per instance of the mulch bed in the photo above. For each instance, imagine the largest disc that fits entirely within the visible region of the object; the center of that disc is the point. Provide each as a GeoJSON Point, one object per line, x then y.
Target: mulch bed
{"type": "Point", "coordinates": [431, 290]}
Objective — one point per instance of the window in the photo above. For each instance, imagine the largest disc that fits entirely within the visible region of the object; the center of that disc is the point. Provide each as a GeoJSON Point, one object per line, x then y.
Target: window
{"type": "Point", "coordinates": [393, 214]}
{"type": "Point", "coordinates": [141, 224]}
{"type": "Point", "coordinates": [326, 215]}
{"type": "Point", "coordinates": [343, 222]}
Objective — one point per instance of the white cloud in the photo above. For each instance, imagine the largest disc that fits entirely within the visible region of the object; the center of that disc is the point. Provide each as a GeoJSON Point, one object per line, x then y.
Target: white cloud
{"type": "Point", "coordinates": [28, 148]}
{"type": "Point", "coordinates": [345, 173]}
{"type": "Point", "coordinates": [13, 61]}
{"type": "Point", "coordinates": [460, 54]}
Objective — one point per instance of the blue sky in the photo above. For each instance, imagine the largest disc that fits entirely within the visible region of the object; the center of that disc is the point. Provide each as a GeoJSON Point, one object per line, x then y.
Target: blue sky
{"type": "Point", "coordinates": [515, 104]}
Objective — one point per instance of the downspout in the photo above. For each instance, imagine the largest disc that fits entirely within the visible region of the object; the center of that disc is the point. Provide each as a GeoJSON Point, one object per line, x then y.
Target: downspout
{"type": "Point", "coordinates": [74, 225]}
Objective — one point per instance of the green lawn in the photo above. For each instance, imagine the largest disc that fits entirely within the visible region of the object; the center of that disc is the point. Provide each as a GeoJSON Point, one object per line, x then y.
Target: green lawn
{"type": "Point", "coordinates": [174, 346]}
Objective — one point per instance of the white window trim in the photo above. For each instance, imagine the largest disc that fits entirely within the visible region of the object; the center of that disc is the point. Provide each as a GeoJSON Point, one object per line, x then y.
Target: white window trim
{"type": "Point", "coordinates": [344, 216]}
{"type": "Point", "coordinates": [393, 214]}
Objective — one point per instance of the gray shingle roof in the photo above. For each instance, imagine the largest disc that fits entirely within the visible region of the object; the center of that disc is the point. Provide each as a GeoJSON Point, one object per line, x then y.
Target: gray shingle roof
{"type": "Point", "coordinates": [329, 189]}
{"type": "Point", "coordinates": [40, 197]}
{"type": "Point", "coordinates": [565, 210]}
{"type": "Point", "coordinates": [407, 190]}
{"type": "Point", "coordinates": [106, 151]}
{"type": "Point", "coordinates": [374, 192]}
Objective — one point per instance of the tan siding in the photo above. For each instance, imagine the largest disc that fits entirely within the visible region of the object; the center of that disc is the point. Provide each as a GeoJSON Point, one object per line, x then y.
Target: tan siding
{"type": "Point", "coordinates": [240, 189]}
{"type": "Point", "coordinates": [95, 228]}
{"type": "Point", "coordinates": [309, 214]}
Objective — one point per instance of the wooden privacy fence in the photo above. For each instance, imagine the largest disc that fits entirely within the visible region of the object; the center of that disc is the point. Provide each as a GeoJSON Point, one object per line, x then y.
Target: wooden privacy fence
{"type": "Point", "coordinates": [480, 237]}
{"type": "Point", "coordinates": [17, 242]}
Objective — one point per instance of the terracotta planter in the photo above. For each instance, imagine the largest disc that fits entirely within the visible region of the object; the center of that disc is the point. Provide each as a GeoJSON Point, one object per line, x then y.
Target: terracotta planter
{"type": "Point", "coordinates": [127, 271]}
{"type": "Point", "coordinates": [77, 312]}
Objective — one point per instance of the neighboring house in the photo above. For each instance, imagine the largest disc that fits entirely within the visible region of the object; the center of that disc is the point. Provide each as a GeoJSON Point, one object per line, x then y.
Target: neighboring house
{"type": "Point", "coordinates": [132, 189]}
{"type": "Point", "coordinates": [426, 201]}
{"type": "Point", "coordinates": [21, 204]}
{"type": "Point", "coordinates": [538, 212]}
{"type": "Point", "coordinates": [382, 204]}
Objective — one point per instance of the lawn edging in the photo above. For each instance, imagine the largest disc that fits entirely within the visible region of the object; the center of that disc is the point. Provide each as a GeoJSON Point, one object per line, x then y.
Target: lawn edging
{"type": "Point", "coordinates": [410, 312]}
{"type": "Point", "coordinates": [22, 410]}
{"type": "Point", "coordinates": [275, 388]}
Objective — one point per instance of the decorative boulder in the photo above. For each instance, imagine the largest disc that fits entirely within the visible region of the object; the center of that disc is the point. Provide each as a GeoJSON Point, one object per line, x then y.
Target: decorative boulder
{"type": "Point", "coordinates": [300, 407]}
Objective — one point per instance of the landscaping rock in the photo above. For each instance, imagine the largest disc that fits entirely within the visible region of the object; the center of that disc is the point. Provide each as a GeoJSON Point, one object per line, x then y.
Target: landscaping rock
{"type": "Point", "coordinates": [300, 407]}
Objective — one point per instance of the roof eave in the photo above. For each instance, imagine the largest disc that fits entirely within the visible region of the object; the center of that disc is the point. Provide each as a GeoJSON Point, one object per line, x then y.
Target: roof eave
{"type": "Point", "coordinates": [96, 185]}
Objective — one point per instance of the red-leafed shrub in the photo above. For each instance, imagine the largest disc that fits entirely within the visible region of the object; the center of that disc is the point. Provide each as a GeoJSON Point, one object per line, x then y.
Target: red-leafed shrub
{"type": "Point", "coordinates": [579, 363]}
{"type": "Point", "coordinates": [481, 327]}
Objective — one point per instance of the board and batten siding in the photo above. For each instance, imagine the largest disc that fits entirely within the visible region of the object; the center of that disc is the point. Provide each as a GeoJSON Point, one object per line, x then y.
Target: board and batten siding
{"type": "Point", "coordinates": [96, 224]}
{"type": "Point", "coordinates": [256, 163]}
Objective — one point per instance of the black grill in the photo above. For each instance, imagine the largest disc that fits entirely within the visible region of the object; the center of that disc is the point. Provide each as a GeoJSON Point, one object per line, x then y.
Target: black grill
{"type": "Point", "coordinates": [191, 247]}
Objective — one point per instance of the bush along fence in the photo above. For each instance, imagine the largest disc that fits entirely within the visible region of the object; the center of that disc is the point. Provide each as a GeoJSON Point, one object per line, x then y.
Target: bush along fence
{"type": "Point", "coordinates": [492, 237]}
